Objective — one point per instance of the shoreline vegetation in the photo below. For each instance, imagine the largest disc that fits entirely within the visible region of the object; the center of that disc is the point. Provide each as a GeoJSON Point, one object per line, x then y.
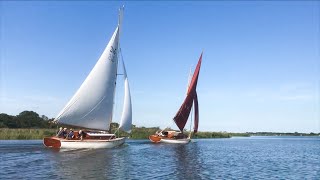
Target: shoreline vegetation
{"type": "Point", "coordinates": [137, 133]}
{"type": "Point", "coordinates": [29, 125]}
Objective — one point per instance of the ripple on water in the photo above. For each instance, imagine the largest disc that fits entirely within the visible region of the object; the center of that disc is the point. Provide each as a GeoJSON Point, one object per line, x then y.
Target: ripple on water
{"type": "Point", "coordinates": [235, 158]}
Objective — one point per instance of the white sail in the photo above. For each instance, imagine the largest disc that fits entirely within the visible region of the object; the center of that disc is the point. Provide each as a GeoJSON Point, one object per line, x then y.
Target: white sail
{"type": "Point", "coordinates": [126, 117]}
{"type": "Point", "coordinates": [92, 105]}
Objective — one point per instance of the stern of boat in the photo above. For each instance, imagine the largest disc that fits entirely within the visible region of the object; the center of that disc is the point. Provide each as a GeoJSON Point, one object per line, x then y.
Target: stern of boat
{"type": "Point", "coordinates": [51, 142]}
{"type": "Point", "coordinates": [155, 138]}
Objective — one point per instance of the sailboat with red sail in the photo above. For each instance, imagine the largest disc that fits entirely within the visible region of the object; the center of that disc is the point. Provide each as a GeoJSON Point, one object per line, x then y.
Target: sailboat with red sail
{"type": "Point", "coordinates": [182, 116]}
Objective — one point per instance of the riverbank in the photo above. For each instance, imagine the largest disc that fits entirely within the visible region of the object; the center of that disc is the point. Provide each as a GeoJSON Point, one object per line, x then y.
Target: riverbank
{"type": "Point", "coordinates": [30, 125]}
{"type": "Point", "coordinates": [137, 133]}
{"type": "Point", "coordinates": [25, 134]}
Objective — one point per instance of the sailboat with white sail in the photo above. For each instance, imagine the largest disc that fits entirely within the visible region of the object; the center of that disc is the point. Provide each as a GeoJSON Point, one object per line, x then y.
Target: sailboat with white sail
{"type": "Point", "coordinates": [182, 116]}
{"type": "Point", "coordinates": [92, 106]}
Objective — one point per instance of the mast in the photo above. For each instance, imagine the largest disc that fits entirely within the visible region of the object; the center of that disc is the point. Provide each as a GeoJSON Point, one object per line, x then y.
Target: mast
{"type": "Point", "coordinates": [126, 116]}
{"type": "Point", "coordinates": [121, 10]}
{"type": "Point", "coordinates": [189, 81]}
{"type": "Point", "coordinates": [120, 16]}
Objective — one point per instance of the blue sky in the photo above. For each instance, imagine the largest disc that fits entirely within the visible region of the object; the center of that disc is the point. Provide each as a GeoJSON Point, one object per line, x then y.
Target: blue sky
{"type": "Point", "coordinates": [260, 70]}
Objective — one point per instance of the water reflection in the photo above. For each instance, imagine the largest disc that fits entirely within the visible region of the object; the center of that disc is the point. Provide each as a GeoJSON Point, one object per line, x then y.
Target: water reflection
{"type": "Point", "coordinates": [133, 160]}
{"type": "Point", "coordinates": [120, 163]}
{"type": "Point", "coordinates": [82, 164]}
{"type": "Point", "coordinates": [188, 161]}
{"type": "Point", "coordinates": [249, 158]}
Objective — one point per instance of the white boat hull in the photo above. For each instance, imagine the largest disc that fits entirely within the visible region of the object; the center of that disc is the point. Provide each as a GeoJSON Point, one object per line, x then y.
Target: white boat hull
{"type": "Point", "coordinates": [175, 141]}
{"type": "Point", "coordinates": [84, 144]}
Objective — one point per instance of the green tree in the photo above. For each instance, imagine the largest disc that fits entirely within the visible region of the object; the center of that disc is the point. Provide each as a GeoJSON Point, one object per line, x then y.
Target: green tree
{"type": "Point", "coordinates": [7, 121]}
{"type": "Point", "coordinates": [27, 119]}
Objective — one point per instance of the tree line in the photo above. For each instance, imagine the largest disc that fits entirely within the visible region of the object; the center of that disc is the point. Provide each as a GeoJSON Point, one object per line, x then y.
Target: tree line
{"type": "Point", "coordinates": [25, 119]}
{"type": "Point", "coordinates": [32, 120]}
{"type": "Point", "coordinates": [30, 125]}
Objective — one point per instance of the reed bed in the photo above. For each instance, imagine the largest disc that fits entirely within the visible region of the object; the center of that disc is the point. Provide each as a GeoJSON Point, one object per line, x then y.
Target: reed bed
{"type": "Point", "coordinates": [25, 134]}
{"type": "Point", "coordinates": [137, 133]}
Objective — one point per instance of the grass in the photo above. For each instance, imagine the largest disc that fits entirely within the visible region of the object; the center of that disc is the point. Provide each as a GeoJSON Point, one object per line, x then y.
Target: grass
{"type": "Point", "coordinates": [10, 134]}
{"type": "Point", "coordinates": [211, 135]}
{"type": "Point", "coordinates": [137, 133]}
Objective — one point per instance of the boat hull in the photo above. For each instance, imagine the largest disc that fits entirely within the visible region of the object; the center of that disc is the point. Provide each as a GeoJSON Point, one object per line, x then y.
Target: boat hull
{"type": "Point", "coordinates": [175, 141]}
{"type": "Point", "coordinates": [54, 142]}
{"type": "Point", "coordinates": [159, 139]}
{"type": "Point", "coordinates": [155, 138]}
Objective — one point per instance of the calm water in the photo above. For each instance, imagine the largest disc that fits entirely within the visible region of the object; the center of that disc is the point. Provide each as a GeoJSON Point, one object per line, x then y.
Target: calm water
{"type": "Point", "coordinates": [235, 158]}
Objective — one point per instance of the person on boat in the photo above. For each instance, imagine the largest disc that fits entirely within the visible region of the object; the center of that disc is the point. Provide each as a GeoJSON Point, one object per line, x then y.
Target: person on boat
{"type": "Point", "coordinates": [159, 133]}
{"type": "Point", "coordinates": [59, 132]}
{"type": "Point", "coordinates": [62, 133]}
{"type": "Point", "coordinates": [170, 135]}
{"type": "Point", "coordinates": [70, 134]}
{"type": "Point", "coordinates": [81, 134]}
{"type": "Point", "coordinates": [165, 133]}
{"type": "Point", "coordinates": [65, 133]}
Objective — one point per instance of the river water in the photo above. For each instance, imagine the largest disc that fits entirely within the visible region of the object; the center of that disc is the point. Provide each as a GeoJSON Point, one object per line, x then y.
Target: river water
{"type": "Point", "coordinates": [234, 158]}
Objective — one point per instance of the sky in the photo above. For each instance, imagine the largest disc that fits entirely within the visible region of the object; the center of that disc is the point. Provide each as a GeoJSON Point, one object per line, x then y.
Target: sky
{"type": "Point", "coordinates": [260, 69]}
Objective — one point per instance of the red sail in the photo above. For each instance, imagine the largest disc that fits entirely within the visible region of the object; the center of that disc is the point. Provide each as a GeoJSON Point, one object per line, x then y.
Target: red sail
{"type": "Point", "coordinates": [196, 113]}
{"type": "Point", "coordinates": [194, 80]}
{"type": "Point", "coordinates": [183, 114]}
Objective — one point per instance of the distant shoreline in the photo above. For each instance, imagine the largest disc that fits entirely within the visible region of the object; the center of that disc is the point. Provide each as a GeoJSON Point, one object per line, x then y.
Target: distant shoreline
{"type": "Point", "coordinates": [137, 133]}
{"type": "Point", "coordinates": [30, 125]}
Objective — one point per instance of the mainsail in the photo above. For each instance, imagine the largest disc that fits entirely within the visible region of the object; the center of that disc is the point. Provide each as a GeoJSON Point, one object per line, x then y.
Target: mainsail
{"type": "Point", "coordinates": [92, 104]}
{"type": "Point", "coordinates": [182, 115]}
